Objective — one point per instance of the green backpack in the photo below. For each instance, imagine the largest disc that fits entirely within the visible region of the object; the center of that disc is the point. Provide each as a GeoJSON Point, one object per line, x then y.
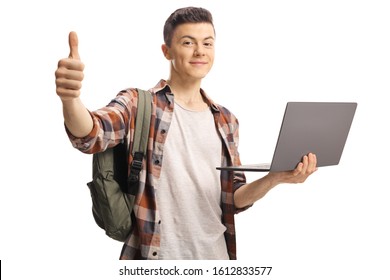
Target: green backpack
{"type": "Point", "coordinates": [111, 205]}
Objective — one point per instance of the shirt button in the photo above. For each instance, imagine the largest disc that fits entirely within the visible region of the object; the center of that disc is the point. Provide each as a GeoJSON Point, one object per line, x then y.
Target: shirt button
{"type": "Point", "coordinates": [156, 162]}
{"type": "Point", "coordinates": [163, 131]}
{"type": "Point", "coordinates": [154, 254]}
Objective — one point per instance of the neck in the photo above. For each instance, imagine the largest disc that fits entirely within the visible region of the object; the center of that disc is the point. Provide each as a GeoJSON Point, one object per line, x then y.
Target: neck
{"type": "Point", "coordinates": [187, 94]}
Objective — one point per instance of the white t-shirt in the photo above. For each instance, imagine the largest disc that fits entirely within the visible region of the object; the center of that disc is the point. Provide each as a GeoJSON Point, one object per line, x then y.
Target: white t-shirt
{"type": "Point", "coordinates": [189, 189]}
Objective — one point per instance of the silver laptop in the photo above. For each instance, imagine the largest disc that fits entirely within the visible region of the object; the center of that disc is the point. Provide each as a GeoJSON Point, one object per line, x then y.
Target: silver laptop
{"type": "Point", "coordinates": [318, 127]}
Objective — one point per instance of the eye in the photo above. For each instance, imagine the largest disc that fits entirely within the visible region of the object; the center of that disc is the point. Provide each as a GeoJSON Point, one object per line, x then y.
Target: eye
{"type": "Point", "coordinates": [188, 43]}
{"type": "Point", "coordinates": [208, 44]}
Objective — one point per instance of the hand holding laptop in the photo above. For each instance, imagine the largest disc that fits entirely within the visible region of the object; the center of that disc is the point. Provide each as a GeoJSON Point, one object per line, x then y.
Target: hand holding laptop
{"type": "Point", "coordinates": [250, 193]}
{"type": "Point", "coordinates": [304, 169]}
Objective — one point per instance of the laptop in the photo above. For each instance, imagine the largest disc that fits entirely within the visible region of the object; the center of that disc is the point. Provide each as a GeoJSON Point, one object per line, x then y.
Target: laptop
{"type": "Point", "coordinates": [318, 127]}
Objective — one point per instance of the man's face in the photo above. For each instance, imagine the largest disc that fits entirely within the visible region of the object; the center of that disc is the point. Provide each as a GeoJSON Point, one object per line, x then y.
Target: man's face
{"type": "Point", "coordinates": [192, 51]}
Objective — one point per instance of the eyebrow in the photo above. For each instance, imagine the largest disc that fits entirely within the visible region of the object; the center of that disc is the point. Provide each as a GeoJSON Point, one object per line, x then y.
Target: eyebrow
{"type": "Point", "coordinates": [193, 38]}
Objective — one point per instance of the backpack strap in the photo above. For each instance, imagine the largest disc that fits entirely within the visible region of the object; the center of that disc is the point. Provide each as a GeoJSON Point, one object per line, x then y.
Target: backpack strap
{"type": "Point", "coordinates": [141, 135]}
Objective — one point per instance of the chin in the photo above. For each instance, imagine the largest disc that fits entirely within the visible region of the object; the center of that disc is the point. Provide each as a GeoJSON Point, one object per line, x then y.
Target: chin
{"type": "Point", "coordinates": [200, 75]}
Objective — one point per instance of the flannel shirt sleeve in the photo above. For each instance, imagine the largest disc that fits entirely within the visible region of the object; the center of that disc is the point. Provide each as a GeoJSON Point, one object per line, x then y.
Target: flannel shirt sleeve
{"type": "Point", "coordinates": [110, 124]}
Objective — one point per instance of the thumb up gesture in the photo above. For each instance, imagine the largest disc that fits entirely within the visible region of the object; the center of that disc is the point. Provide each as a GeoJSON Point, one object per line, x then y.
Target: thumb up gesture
{"type": "Point", "coordinates": [69, 73]}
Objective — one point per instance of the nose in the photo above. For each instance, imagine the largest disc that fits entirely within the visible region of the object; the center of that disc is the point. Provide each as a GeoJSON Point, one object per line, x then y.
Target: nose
{"type": "Point", "coordinates": [199, 51]}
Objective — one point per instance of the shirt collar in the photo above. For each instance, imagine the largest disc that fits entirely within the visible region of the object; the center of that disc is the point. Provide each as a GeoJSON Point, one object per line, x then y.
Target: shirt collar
{"type": "Point", "coordinates": [162, 87]}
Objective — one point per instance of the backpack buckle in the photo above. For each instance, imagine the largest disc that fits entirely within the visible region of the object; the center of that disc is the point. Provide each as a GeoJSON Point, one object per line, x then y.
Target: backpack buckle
{"type": "Point", "coordinates": [135, 168]}
{"type": "Point", "coordinates": [137, 165]}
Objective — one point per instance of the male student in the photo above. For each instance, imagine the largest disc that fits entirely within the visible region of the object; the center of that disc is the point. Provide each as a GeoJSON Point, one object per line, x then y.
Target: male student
{"type": "Point", "coordinates": [184, 207]}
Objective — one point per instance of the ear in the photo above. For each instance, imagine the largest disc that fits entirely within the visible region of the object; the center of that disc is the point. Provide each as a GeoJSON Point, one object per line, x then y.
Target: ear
{"type": "Point", "coordinates": [165, 50]}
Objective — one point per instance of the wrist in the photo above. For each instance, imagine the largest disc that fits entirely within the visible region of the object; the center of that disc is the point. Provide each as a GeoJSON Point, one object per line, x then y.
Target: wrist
{"type": "Point", "coordinates": [273, 179]}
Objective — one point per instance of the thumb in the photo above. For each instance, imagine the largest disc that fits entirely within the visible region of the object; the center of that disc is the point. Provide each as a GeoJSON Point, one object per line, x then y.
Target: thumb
{"type": "Point", "coordinates": [74, 46]}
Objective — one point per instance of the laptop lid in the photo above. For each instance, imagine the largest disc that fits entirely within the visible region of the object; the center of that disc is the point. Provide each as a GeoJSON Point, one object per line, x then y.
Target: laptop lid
{"type": "Point", "coordinates": [318, 127]}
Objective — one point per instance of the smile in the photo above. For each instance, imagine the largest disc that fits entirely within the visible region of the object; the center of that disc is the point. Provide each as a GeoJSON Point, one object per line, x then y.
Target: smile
{"type": "Point", "coordinates": [198, 63]}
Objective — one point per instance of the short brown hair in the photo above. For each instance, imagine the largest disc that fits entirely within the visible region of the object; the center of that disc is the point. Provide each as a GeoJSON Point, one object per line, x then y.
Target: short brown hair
{"type": "Point", "coordinates": [185, 15]}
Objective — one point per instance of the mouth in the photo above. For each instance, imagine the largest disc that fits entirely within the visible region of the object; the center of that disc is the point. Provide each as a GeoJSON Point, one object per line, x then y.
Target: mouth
{"type": "Point", "coordinates": [198, 63]}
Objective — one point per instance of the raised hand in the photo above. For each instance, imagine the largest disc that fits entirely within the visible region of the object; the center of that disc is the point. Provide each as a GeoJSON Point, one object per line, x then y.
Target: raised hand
{"type": "Point", "coordinates": [69, 74]}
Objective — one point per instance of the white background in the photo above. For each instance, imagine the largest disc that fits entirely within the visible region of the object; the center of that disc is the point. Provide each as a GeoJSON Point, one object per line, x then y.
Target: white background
{"type": "Point", "coordinates": [335, 226]}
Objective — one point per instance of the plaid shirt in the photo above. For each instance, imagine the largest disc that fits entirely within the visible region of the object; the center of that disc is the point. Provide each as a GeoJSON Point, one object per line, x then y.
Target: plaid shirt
{"type": "Point", "coordinates": [115, 123]}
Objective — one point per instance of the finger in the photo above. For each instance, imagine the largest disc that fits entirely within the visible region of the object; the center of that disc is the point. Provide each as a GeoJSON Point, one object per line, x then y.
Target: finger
{"type": "Point", "coordinates": [69, 74]}
{"type": "Point", "coordinates": [305, 163]}
{"type": "Point", "coordinates": [312, 162]}
{"type": "Point", "coordinates": [74, 46]}
{"type": "Point", "coordinates": [68, 84]}
{"type": "Point", "coordinates": [70, 63]}
{"type": "Point", "coordinates": [298, 169]}
{"type": "Point", "coordinates": [67, 94]}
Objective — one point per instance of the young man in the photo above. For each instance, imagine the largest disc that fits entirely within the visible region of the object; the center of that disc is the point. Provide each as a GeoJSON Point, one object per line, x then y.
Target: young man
{"type": "Point", "coordinates": [184, 207]}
